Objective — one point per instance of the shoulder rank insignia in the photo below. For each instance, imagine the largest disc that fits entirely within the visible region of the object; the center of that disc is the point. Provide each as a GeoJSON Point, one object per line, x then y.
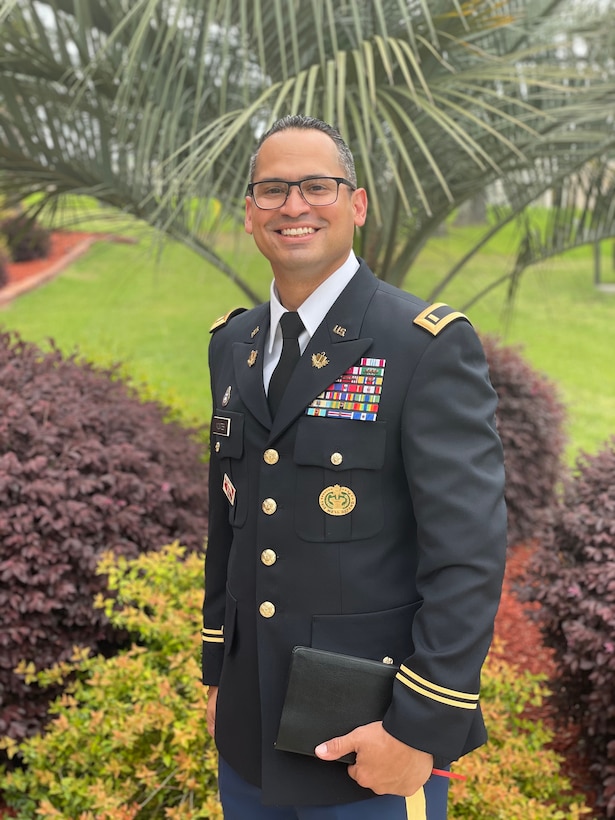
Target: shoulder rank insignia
{"type": "Point", "coordinates": [222, 320]}
{"type": "Point", "coordinates": [438, 316]}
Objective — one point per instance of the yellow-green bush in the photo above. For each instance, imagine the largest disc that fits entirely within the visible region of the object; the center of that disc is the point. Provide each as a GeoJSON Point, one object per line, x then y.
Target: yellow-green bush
{"type": "Point", "coordinates": [513, 777]}
{"type": "Point", "coordinates": [128, 738]}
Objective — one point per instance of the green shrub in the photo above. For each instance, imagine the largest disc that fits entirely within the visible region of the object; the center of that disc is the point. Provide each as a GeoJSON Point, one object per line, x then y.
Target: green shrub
{"type": "Point", "coordinates": [128, 739]}
{"type": "Point", "coordinates": [572, 576]}
{"type": "Point", "coordinates": [530, 418]}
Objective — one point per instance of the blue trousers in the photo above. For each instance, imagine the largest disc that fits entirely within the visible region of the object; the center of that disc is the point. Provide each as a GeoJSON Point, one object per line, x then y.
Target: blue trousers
{"type": "Point", "coordinates": [242, 801]}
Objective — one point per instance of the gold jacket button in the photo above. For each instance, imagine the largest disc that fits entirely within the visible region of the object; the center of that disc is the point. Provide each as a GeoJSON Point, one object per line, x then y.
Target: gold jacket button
{"type": "Point", "coordinates": [217, 447]}
{"type": "Point", "coordinates": [271, 456]}
{"type": "Point", "coordinates": [336, 459]}
{"type": "Point", "coordinates": [268, 557]}
{"type": "Point", "coordinates": [269, 506]}
{"type": "Point", "coordinates": [267, 609]}
{"type": "Point", "coordinates": [388, 660]}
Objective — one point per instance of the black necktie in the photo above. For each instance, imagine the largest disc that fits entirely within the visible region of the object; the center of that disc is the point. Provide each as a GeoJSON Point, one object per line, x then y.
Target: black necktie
{"type": "Point", "coordinates": [292, 326]}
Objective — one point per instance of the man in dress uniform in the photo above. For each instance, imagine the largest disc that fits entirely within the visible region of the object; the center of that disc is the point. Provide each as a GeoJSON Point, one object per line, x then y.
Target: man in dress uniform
{"type": "Point", "coordinates": [356, 505]}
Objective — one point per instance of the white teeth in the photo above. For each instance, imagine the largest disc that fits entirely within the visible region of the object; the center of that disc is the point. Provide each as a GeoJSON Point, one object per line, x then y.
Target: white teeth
{"type": "Point", "coordinates": [297, 231]}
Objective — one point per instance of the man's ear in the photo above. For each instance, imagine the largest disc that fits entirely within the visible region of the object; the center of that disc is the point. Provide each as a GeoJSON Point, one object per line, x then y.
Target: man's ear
{"type": "Point", "coordinates": [248, 215]}
{"type": "Point", "coordinates": [359, 205]}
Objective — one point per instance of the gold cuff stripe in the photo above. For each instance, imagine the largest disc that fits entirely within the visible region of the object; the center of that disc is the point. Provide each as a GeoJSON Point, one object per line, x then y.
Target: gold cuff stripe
{"type": "Point", "coordinates": [456, 693]}
{"type": "Point", "coordinates": [432, 696]}
{"type": "Point", "coordinates": [213, 635]}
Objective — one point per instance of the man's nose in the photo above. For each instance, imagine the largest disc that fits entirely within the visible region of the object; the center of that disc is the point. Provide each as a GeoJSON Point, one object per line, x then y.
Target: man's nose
{"type": "Point", "coordinates": [295, 203]}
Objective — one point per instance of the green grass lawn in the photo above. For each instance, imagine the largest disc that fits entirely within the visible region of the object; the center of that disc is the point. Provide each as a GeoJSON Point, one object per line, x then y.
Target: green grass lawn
{"type": "Point", "coordinates": [565, 325]}
{"type": "Point", "coordinates": [153, 312]}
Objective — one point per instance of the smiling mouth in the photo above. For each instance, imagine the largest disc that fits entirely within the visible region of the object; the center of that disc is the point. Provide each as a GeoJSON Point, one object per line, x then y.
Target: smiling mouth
{"type": "Point", "coordinates": [297, 231]}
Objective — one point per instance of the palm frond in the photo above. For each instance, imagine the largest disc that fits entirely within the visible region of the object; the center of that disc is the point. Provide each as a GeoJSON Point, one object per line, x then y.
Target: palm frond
{"type": "Point", "coordinates": [154, 106]}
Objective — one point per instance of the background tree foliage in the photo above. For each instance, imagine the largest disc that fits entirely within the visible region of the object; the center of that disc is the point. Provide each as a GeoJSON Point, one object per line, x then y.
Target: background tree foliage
{"type": "Point", "coordinates": [153, 106]}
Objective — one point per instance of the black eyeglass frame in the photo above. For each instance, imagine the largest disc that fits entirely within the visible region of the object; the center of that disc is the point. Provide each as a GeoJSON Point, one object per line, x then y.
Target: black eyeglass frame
{"type": "Point", "coordinates": [298, 183]}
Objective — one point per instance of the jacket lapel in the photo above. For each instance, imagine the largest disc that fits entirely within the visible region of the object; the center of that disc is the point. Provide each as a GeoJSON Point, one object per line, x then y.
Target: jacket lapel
{"type": "Point", "coordinates": [248, 356]}
{"type": "Point", "coordinates": [336, 346]}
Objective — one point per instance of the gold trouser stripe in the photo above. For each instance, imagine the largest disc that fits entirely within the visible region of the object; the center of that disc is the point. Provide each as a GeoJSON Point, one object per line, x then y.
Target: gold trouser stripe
{"type": "Point", "coordinates": [415, 806]}
{"type": "Point", "coordinates": [432, 696]}
{"type": "Point", "coordinates": [456, 693]}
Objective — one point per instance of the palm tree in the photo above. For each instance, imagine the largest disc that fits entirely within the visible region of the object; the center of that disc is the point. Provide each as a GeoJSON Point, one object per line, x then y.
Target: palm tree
{"type": "Point", "coordinates": [153, 107]}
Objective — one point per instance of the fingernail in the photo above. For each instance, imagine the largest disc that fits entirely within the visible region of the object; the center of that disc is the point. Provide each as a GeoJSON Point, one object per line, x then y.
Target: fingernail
{"type": "Point", "coordinates": [322, 749]}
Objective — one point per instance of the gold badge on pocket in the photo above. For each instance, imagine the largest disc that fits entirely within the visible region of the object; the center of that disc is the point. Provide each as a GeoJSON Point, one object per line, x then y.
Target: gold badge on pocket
{"type": "Point", "coordinates": [337, 500]}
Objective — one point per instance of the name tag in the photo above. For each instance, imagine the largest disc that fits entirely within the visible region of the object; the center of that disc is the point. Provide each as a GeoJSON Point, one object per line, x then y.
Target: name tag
{"type": "Point", "coordinates": [221, 426]}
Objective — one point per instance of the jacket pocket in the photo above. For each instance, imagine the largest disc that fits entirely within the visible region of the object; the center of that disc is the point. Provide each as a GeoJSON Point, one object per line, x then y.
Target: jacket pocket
{"type": "Point", "coordinates": [339, 496]}
{"type": "Point", "coordinates": [227, 444]}
{"type": "Point", "coordinates": [383, 636]}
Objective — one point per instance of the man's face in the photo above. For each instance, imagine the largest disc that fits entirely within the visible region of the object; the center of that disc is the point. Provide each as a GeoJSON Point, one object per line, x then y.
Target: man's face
{"type": "Point", "coordinates": [303, 241]}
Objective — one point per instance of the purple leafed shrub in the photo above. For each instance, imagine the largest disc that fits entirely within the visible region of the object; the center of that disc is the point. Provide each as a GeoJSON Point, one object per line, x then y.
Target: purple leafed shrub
{"type": "Point", "coordinates": [4, 273]}
{"type": "Point", "coordinates": [530, 419]}
{"type": "Point", "coordinates": [84, 467]}
{"type": "Point", "coordinates": [572, 576]}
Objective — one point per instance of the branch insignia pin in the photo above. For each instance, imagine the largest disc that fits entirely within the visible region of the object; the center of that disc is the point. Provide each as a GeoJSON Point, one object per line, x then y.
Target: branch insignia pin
{"type": "Point", "coordinates": [252, 358]}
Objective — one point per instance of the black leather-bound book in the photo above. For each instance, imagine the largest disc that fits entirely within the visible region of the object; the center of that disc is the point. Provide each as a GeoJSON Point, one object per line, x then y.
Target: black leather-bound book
{"type": "Point", "coordinates": [329, 695]}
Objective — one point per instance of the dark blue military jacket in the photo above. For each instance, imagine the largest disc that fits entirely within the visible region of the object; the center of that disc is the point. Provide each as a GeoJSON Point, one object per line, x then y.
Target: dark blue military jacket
{"type": "Point", "coordinates": [367, 518]}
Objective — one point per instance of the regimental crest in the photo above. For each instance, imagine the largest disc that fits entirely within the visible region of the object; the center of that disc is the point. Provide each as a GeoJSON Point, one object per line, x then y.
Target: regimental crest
{"type": "Point", "coordinates": [337, 500]}
{"type": "Point", "coordinates": [319, 360]}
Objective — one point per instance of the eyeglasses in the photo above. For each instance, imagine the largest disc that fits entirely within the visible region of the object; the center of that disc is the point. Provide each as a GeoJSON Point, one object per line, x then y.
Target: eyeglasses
{"type": "Point", "coordinates": [273, 193]}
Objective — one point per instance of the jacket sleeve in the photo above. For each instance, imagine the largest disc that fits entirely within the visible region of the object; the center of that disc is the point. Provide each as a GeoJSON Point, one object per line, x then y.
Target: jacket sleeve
{"type": "Point", "coordinates": [216, 561]}
{"type": "Point", "coordinates": [454, 467]}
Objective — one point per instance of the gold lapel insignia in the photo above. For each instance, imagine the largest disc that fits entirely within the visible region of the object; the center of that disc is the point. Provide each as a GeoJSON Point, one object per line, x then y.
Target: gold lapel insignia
{"type": "Point", "coordinates": [227, 396]}
{"type": "Point", "coordinates": [341, 331]}
{"type": "Point", "coordinates": [255, 331]}
{"type": "Point", "coordinates": [252, 358]}
{"type": "Point", "coordinates": [336, 500]}
{"type": "Point", "coordinates": [319, 360]}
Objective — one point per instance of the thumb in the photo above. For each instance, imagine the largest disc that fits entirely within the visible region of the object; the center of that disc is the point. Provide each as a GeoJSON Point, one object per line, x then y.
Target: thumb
{"type": "Point", "coordinates": [336, 747]}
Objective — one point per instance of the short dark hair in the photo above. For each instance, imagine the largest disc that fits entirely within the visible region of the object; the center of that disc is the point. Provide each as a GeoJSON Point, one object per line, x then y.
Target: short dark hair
{"type": "Point", "coordinates": [300, 121]}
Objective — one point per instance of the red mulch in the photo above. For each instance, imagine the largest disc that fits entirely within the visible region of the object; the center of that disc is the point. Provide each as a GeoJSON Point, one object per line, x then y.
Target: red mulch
{"type": "Point", "coordinates": [514, 626]}
{"type": "Point", "coordinates": [62, 243]}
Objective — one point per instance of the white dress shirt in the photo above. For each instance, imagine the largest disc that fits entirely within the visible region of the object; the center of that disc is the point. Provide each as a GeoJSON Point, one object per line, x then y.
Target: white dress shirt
{"type": "Point", "coordinates": [311, 312]}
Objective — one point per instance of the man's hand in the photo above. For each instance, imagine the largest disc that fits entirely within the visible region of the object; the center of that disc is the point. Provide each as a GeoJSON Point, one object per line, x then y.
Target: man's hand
{"type": "Point", "coordinates": [212, 697]}
{"type": "Point", "coordinates": [384, 764]}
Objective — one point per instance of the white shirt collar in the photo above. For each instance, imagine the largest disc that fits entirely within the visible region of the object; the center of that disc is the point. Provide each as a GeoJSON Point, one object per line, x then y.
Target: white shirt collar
{"type": "Point", "coordinates": [316, 306]}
